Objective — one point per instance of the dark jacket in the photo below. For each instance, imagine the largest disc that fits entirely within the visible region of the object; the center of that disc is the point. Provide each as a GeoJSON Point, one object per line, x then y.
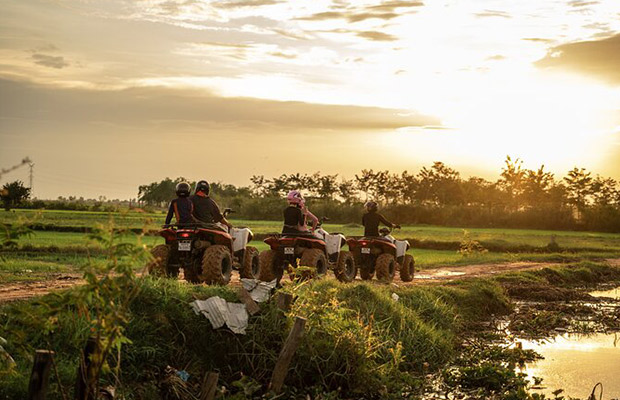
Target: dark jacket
{"type": "Point", "coordinates": [371, 221]}
{"type": "Point", "coordinates": [293, 218]}
{"type": "Point", "coordinates": [181, 208]}
{"type": "Point", "coordinates": [205, 209]}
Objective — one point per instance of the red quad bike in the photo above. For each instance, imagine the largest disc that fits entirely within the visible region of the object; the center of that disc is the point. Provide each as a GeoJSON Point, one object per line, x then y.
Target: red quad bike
{"type": "Point", "coordinates": [206, 252]}
{"type": "Point", "coordinates": [319, 252]}
{"type": "Point", "coordinates": [382, 255]}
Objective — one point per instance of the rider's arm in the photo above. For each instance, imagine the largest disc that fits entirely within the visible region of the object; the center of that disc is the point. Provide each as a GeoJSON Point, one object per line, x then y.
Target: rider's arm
{"type": "Point", "coordinates": [170, 213]}
{"type": "Point", "coordinates": [313, 218]}
{"type": "Point", "coordinates": [217, 214]}
{"type": "Point", "coordinates": [385, 221]}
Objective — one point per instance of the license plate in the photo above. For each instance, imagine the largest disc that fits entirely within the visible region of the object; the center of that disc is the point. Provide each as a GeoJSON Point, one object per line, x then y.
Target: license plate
{"type": "Point", "coordinates": [185, 245]}
{"type": "Point", "coordinates": [289, 250]}
{"type": "Point", "coordinates": [365, 250]}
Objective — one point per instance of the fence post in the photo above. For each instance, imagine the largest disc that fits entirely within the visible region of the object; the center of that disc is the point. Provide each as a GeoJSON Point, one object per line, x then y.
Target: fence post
{"type": "Point", "coordinates": [286, 354]}
{"type": "Point", "coordinates": [39, 378]}
{"type": "Point", "coordinates": [209, 385]}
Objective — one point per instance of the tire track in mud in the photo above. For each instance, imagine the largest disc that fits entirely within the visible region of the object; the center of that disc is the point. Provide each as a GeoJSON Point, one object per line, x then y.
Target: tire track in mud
{"type": "Point", "coordinates": [23, 291]}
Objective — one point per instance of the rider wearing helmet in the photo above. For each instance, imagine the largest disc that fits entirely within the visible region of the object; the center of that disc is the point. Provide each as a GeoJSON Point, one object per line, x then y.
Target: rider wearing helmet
{"type": "Point", "coordinates": [296, 213]}
{"type": "Point", "coordinates": [205, 209]}
{"type": "Point", "coordinates": [371, 219]}
{"type": "Point", "coordinates": [181, 207]}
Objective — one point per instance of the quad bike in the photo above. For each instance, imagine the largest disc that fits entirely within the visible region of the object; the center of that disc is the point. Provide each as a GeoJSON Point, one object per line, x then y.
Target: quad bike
{"type": "Point", "coordinates": [319, 251]}
{"type": "Point", "coordinates": [382, 255]}
{"type": "Point", "coordinates": [206, 252]}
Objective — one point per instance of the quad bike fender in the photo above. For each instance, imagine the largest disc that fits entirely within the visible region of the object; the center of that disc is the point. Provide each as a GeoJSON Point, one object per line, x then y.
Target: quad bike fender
{"type": "Point", "coordinates": [401, 247]}
{"type": "Point", "coordinates": [240, 237]}
{"type": "Point", "coordinates": [333, 243]}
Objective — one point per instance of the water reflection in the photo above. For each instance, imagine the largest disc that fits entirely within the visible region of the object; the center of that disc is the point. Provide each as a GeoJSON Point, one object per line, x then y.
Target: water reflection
{"type": "Point", "coordinates": [576, 363]}
{"type": "Point", "coordinates": [613, 293]}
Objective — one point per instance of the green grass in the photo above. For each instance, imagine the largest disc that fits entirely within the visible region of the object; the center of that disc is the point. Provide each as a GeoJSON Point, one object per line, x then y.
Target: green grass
{"type": "Point", "coordinates": [357, 340]}
{"type": "Point", "coordinates": [495, 237]}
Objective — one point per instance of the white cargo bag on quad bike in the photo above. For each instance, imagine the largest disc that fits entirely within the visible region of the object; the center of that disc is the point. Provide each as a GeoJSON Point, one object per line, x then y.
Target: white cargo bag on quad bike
{"type": "Point", "coordinates": [333, 243]}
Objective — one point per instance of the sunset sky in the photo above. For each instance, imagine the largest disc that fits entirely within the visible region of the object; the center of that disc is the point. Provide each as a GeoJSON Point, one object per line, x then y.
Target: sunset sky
{"type": "Point", "coordinates": [105, 95]}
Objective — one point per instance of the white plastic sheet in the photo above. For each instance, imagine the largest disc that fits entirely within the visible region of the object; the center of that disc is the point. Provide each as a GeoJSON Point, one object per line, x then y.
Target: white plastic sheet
{"type": "Point", "coordinates": [259, 290]}
{"type": "Point", "coordinates": [219, 312]}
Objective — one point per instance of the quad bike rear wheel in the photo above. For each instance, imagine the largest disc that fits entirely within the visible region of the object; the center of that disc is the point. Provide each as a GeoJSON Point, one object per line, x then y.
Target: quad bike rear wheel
{"type": "Point", "coordinates": [269, 266]}
{"type": "Point", "coordinates": [159, 265]}
{"type": "Point", "coordinates": [314, 258]}
{"type": "Point", "coordinates": [216, 265]}
{"type": "Point", "coordinates": [250, 266]}
{"type": "Point", "coordinates": [385, 267]}
{"type": "Point", "coordinates": [407, 269]}
{"type": "Point", "coordinates": [346, 269]}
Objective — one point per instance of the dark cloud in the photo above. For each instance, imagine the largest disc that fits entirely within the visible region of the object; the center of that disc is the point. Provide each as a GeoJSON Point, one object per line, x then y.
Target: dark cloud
{"type": "Point", "coordinates": [392, 5]}
{"type": "Point", "coordinates": [497, 57]}
{"type": "Point", "coordinates": [57, 62]}
{"type": "Point", "coordinates": [349, 16]}
{"type": "Point", "coordinates": [493, 13]}
{"type": "Point", "coordinates": [283, 55]}
{"type": "Point", "coordinates": [582, 3]}
{"type": "Point", "coordinates": [377, 36]}
{"type": "Point", "coordinates": [244, 3]}
{"type": "Point", "coordinates": [139, 107]}
{"type": "Point", "coordinates": [599, 58]}
{"type": "Point", "coordinates": [541, 40]}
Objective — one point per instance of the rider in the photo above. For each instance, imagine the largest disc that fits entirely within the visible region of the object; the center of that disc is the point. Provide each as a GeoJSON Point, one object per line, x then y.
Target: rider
{"type": "Point", "coordinates": [181, 207]}
{"type": "Point", "coordinates": [372, 218]}
{"type": "Point", "coordinates": [296, 213]}
{"type": "Point", "coordinates": [205, 209]}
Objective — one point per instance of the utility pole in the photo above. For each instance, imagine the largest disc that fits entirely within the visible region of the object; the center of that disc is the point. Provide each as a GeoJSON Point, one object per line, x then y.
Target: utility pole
{"type": "Point", "coordinates": [31, 176]}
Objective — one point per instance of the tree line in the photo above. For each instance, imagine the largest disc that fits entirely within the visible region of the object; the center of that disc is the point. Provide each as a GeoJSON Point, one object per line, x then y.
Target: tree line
{"type": "Point", "coordinates": [437, 194]}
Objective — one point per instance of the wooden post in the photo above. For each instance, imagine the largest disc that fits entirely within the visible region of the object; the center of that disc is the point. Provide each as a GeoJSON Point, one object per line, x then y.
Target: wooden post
{"type": "Point", "coordinates": [86, 381]}
{"type": "Point", "coordinates": [286, 354]}
{"type": "Point", "coordinates": [284, 301]}
{"type": "Point", "coordinates": [209, 385]}
{"type": "Point", "coordinates": [249, 302]}
{"type": "Point", "coordinates": [39, 378]}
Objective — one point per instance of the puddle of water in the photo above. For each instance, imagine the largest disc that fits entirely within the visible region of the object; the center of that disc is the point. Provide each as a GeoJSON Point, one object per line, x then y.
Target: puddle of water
{"type": "Point", "coordinates": [612, 293]}
{"type": "Point", "coordinates": [577, 363]}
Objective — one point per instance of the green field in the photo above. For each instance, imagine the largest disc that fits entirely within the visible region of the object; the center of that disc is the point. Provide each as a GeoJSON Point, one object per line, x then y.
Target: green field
{"type": "Point", "coordinates": [492, 237]}
{"type": "Point", "coordinates": [45, 253]}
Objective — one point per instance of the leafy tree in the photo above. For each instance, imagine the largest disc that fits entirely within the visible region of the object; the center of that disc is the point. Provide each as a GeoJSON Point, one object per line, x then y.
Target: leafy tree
{"type": "Point", "coordinates": [512, 182]}
{"type": "Point", "coordinates": [578, 187]}
{"type": "Point", "coordinates": [13, 194]}
{"type": "Point", "coordinates": [159, 193]}
{"type": "Point", "coordinates": [536, 185]}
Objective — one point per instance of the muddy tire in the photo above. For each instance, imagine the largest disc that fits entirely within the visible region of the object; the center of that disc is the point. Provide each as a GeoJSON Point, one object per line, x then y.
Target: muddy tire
{"type": "Point", "coordinates": [407, 269]}
{"type": "Point", "coordinates": [385, 267]}
{"type": "Point", "coordinates": [251, 266]}
{"type": "Point", "coordinates": [216, 265]}
{"type": "Point", "coordinates": [269, 267]}
{"type": "Point", "coordinates": [346, 270]}
{"type": "Point", "coordinates": [314, 258]}
{"type": "Point", "coordinates": [159, 265]}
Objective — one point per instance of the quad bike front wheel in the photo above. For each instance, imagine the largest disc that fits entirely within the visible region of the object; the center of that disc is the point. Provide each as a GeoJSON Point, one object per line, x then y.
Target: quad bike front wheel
{"type": "Point", "coordinates": [159, 265]}
{"type": "Point", "coordinates": [250, 266]}
{"type": "Point", "coordinates": [269, 266]}
{"type": "Point", "coordinates": [216, 265]}
{"type": "Point", "coordinates": [314, 258]}
{"type": "Point", "coordinates": [407, 269]}
{"type": "Point", "coordinates": [385, 267]}
{"type": "Point", "coordinates": [346, 269]}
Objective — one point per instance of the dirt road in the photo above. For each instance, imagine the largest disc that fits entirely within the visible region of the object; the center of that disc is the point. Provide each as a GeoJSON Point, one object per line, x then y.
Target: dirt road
{"type": "Point", "coordinates": [23, 291]}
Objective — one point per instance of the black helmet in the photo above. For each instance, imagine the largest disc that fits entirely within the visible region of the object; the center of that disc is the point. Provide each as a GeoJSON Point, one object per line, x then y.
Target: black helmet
{"type": "Point", "coordinates": [183, 189]}
{"type": "Point", "coordinates": [202, 186]}
{"type": "Point", "coordinates": [371, 205]}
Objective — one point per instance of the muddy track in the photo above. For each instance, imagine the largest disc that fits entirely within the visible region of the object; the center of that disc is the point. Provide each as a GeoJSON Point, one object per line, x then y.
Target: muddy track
{"type": "Point", "coordinates": [26, 290]}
